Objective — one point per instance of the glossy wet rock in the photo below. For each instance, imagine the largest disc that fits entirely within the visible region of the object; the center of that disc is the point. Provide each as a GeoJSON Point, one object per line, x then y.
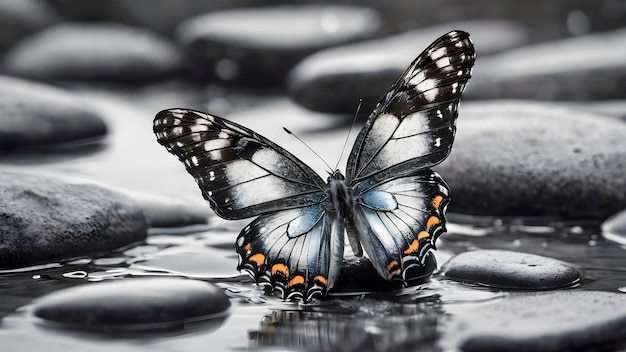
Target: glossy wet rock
{"type": "Point", "coordinates": [514, 158]}
{"type": "Point", "coordinates": [163, 211]}
{"type": "Point", "coordinates": [137, 304]}
{"type": "Point", "coordinates": [45, 219]}
{"type": "Point", "coordinates": [257, 46]}
{"type": "Point", "coordinates": [333, 80]}
{"type": "Point", "coordinates": [555, 321]}
{"type": "Point", "coordinates": [93, 52]}
{"type": "Point", "coordinates": [34, 115]}
{"type": "Point", "coordinates": [358, 275]}
{"type": "Point", "coordinates": [614, 228]}
{"type": "Point", "coordinates": [510, 270]}
{"type": "Point", "coordinates": [587, 67]}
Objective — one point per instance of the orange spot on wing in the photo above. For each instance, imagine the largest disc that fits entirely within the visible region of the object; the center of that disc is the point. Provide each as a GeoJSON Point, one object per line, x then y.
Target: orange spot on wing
{"type": "Point", "coordinates": [432, 221]}
{"type": "Point", "coordinates": [437, 201]}
{"type": "Point", "coordinates": [392, 264]}
{"type": "Point", "coordinates": [422, 234]}
{"type": "Point", "coordinates": [413, 247]}
{"type": "Point", "coordinates": [280, 268]}
{"type": "Point", "coordinates": [258, 258]}
{"type": "Point", "coordinates": [247, 247]}
{"type": "Point", "coordinates": [321, 280]}
{"type": "Point", "coordinates": [298, 279]}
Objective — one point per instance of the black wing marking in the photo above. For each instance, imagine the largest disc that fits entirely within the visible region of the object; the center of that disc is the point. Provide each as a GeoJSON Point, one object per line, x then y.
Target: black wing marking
{"type": "Point", "coordinates": [414, 125]}
{"type": "Point", "coordinates": [402, 217]}
{"type": "Point", "coordinates": [240, 173]}
{"type": "Point", "coordinates": [299, 265]}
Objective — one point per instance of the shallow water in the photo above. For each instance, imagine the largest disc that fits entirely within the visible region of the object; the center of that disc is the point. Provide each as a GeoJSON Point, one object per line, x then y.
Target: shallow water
{"type": "Point", "coordinates": [131, 159]}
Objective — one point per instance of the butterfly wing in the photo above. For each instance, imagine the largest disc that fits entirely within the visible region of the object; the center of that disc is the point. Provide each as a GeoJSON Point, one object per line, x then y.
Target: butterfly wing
{"type": "Point", "coordinates": [400, 203]}
{"type": "Point", "coordinates": [413, 127]}
{"type": "Point", "coordinates": [240, 173]}
{"type": "Point", "coordinates": [402, 217]}
{"type": "Point", "coordinates": [296, 244]}
{"type": "Point", "coordinates": [297, 251]}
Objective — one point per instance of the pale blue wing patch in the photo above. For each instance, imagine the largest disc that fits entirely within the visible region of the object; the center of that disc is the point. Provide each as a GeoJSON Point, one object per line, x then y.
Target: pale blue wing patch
{"type": "Point", "coordinates": [380, 200]}
{"type": "Point", "coordinates": [296, 252]}
{"type": "Point", "coordinates": [397, 238]}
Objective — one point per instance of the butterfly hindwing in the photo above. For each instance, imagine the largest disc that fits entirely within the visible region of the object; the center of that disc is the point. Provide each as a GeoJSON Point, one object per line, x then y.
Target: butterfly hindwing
{"type": "Point", "coordinates": [240, 173]}
{"type": "Point", "coordinates": [297, 251]}
{"type": "Point", "coordinates": [413, 126]}
{"type": "Point", "coordinates": [402, 217]}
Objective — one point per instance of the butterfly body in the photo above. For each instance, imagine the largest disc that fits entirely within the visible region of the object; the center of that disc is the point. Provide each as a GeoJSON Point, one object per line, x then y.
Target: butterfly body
{"type": "Point", "coordinates": [389, 203]}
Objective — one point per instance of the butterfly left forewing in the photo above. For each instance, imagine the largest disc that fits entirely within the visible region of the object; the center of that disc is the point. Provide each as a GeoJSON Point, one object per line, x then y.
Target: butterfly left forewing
{"type": "Point", "coordinates": [240, 173]}
{"type": "Point", "coordinates": [297, 252]}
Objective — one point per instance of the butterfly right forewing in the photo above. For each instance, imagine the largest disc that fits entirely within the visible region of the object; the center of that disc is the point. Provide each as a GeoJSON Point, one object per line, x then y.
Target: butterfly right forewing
{"type": "Point", "coordinates": [413, 126]}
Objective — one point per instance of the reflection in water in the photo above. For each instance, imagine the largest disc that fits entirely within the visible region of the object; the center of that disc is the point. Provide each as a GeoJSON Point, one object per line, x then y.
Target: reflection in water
{"type": "Point", "coordinates": [357, 325]}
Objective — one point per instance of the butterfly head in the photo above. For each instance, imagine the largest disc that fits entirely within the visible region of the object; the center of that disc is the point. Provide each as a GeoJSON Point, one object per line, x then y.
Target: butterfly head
{"type": "Point", "coordinates": [336, 175]}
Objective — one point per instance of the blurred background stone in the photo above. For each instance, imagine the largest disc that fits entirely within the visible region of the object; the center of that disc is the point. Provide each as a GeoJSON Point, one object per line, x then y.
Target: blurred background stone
{"type": "Point", "coordinates": [583, 68]}
{"type": "Point", "coordinates": [258, 46]}
{"type": "Point", "coordinates": [93, 52]}
{"type": "Point", "coordinates": [23, 17]}
{"type": "Point", "coordinates": [35, 115]}
{"type": "Point", "coordinates": [335, 79]}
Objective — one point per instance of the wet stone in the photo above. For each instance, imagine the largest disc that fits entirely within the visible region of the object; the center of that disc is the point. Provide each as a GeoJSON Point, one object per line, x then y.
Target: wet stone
{"type": "Point", "coordinates": [163, 211]}
{"type": "Point", "coordinates": [513, 158]}
{"type": "Point", "coordinates": [133, 304]}
{"type": "Point", "coordinates": [554, 321]}
{"type": "Point", "coordinates": [34, 115]}
{"type": "Point", "coordinates": [510, 270]}
{"type": "Point", "coordinates": [333, 80]}
{"type": "Point", "coordinates": [358, 275]}
{"type": "Point", "coordinates": [258, 46]}
{"type": "Point", "coordinates": [582, 68]}
{"type": "Point", "coordinates": [93, 52]}
{"type": "Point", "coordinates": [45, 219]}
{"type": "Point", "coordinates": [614, 228]}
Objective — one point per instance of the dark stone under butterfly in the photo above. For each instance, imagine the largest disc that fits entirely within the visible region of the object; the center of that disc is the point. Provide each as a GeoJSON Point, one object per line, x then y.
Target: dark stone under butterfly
{"type": "Point", "coordinates": [389, 203]}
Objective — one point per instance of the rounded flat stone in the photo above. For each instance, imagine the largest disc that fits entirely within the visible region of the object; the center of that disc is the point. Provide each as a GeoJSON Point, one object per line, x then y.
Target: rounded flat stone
{"type": "Point", "coordinates": [35, 115]}
{"type": "Point", "coordinates": [93, 52]}
{"type": "Point", "coordinates": [510, 270]}
{"type": "Point", "coordinates": [335, 79]}
{"type": "Point", "coordinates": [258, 46]}
{"type": "Point", "coordinates": [143, 304]}
{"type": "Point", "coordinates": [514, 158]}
{"type": "Point", "coordinates": [554, 321]}
{"type": "Point", "coordinates": [581, 68]}
{"type": "Point", "coordinates": [44, 219]}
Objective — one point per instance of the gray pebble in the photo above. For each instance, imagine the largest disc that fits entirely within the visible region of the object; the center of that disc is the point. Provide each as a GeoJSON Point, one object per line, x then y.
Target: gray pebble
{"type": "Point", "coordinates": [133, 304]}
{"type": "Point", "coordinates": [510, 270]}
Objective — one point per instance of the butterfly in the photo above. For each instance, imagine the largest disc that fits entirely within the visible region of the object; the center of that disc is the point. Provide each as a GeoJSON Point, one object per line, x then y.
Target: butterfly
{"type": "Point", "coordinates": [389, 203]}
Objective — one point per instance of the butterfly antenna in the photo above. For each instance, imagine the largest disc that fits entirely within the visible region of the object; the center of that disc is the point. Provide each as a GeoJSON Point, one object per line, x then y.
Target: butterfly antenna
{"type": "Point", "coordinates": [349, 132]}
{"type": "Point", "coordinates": [311, 149]}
